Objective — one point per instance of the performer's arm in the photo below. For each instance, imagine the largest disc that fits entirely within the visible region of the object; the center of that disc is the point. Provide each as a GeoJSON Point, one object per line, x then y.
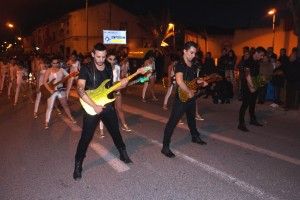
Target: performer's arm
{"type": "Point", "coordinates": [170, 69]}
{"type": "Point", "coordinates": [182, 85]}
{"type": "Point", "coordinates": [86, 98]}
{"type": "Point", "coordinates": [249, 80]}
{"type": "Point", "coordinates": [45, 81]}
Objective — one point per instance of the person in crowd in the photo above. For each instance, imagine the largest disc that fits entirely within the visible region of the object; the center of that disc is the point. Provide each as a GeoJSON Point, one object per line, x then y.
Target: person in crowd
{"type": "Point", "coordinates": [209, 67]}
{"type": "Point", "coordinates": [149, 60]}
{"type": "Point", "coordinates": [292, 80]}
{"type": "Point", "coordinates": [283, 57]}
{"type": "Point", "coordinates": [4, 73]}
{"type": "Point", "coordinates": [20, 78]}
{"type": "Point", "coordinates": [277, 81]}
{"type": "Point", "coordinates": [41, 69]}
{"type": "Point", "coordinates": [223, 62]}
{"type": "Point", "coordinates": [74, 66]}
{"type": "Point", "coordinates": [12, 67]}
{"type": "Point", "coordinates": [116, 69]}
{"type": "Point", "coordinates": [266, 70]}
{"type": "Point", "coordinates": [249, 89]}
{"type": "Point", "coordinates": [171, 79]}
{"type": "Point", "coordinates": [240, 66]}
{"type": "Point", "coordinates": [270, 53]}
{"type": "Point", "coordinates": [229, 71]}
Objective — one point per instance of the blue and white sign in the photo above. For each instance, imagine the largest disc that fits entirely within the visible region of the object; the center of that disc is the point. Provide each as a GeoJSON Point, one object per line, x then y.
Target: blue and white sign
{"type": "Point", "coordinates": [114, 37]}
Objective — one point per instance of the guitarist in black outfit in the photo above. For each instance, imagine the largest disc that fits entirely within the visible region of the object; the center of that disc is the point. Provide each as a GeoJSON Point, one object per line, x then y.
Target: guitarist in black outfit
{"type": "Point", "coordinates": [90, 77]}
{"type": "Point", "coordinates": [185, 70]}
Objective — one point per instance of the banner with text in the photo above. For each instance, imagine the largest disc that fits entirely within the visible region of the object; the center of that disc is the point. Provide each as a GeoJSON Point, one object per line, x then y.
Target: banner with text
{"type": "Point", "coordinates": [114, 37]}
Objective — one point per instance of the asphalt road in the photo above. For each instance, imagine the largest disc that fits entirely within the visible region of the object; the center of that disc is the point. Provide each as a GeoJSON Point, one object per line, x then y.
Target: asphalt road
{"type": "Point", "coordinates": [261, 164]}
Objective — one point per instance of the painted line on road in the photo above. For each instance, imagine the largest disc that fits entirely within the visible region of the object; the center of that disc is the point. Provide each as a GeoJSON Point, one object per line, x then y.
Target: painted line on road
{"type": "Point", "coordinates": [112, 160]}
{"type": "Point", "coordinates": [159, 118]}
{"type": "Point", "coordinates": [217, 173]}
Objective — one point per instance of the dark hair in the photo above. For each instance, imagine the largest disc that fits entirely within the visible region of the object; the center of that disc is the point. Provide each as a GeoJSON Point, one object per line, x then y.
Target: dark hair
{"type": "Point", "coordinates": [99, 47]}
{"type": "Point", "coordinates": [149, 54]}
{"type": "Point", "coordinates": [190, 44]}
{"type": "Point", "coordinates": [174, 57]}
{"type": "Point", "coordinates": [55, 58]}
{"type": "Point", "coordinates": [111, 52]}
{"type": "Point", "coordinates": [260, 50]}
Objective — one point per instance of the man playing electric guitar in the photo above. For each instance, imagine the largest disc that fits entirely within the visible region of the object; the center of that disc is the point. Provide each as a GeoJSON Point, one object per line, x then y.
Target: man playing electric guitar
{"type": "Point", "coordinates": [90, 78]}
{"type": "Point", "coordinates": [184, 71]}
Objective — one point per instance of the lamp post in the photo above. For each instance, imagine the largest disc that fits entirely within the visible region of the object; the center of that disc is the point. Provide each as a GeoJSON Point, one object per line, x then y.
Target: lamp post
{"type": "Point", "coordinates": [87, 25]}
{"type": "Point", "coordinates": [273, 13]}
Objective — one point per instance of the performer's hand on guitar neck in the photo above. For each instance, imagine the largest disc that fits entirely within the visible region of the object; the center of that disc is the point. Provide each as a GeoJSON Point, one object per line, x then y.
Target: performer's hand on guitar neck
{"type": "Point", "coordinates": [191, 93]}
{"type": "Point", "coordinates": [202, 82]}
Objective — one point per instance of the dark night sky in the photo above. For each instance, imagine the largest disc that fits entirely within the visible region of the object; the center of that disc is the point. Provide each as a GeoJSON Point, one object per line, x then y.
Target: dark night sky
{"type": "Point", "coordinates": [27, 14]}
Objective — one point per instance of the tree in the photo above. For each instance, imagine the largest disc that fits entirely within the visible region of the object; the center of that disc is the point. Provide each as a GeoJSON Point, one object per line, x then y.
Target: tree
{"type": "Point", "coordinates": [294, 6]}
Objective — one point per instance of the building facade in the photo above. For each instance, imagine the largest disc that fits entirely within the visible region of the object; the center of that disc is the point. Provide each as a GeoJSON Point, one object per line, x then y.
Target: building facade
{"type": "Point", "coordinates": [71, 32]}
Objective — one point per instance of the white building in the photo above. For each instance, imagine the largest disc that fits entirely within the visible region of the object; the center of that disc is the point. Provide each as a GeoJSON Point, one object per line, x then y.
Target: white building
{"type": "Point", "coordinates": [69, 32]}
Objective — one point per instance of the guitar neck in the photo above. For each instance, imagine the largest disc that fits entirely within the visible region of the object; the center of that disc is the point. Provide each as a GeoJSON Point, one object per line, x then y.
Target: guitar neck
{"type": "Point", "coordinates": [118, 84]}
{"type": "Point", "coordinates": [61, 81]}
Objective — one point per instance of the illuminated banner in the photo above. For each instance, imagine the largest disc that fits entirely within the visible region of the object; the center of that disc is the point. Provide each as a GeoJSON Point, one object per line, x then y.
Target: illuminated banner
{"type": "Point", "coordinates": [114, 37]}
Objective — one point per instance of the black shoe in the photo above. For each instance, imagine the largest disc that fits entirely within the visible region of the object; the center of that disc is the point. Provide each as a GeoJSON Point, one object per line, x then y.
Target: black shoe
{"type": "Point", "coordinates": [243, 127]}
{"type": "Point", "coordinates": [167, 152]}
{"type": "Point", "coordinates": [124, 156]}
{"type": "Point", "coordinates": [255, 123]}
{"type": "Point", "coordinates": [198, 140]}
{"type": "Point", "coordinates": [77, 170]}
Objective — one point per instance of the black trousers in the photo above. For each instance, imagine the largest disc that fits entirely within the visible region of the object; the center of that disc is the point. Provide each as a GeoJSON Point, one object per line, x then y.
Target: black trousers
{"type": "Point", "coordinates": [90, 123]}
{"type": "Point", "coordinates": [262, 91]}
{"type": "Point", "coordinates": [248, 100]}
{"type": "Point", "coordinates": [178, 109]}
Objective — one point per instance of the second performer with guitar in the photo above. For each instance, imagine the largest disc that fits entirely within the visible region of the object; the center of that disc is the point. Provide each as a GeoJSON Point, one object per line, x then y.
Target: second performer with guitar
{"type": "Point", "coordinates": [56, 75]}
{"type": "Point", "coordinates": [184, 71]}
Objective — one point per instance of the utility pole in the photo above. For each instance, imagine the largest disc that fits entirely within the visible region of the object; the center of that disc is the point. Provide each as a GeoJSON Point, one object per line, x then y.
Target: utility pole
{"type": "Point", "coordinates": [109, 4]}
{"type": "Point", "coordinates": [87, 25]}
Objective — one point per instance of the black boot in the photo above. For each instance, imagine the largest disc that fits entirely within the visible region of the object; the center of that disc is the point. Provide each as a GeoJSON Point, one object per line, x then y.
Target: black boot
{"type": "Point", "coordinates": [198, 140]}
{"type": "Point", "coordinates": [77, 170]}
{"type": "Point", "coordinates": [243, 127]}
{"type": "Point", "coordinates": [124, 156]}
{"type": "Point", "coordinates": [167, 152]}
{"type": "Point", "coordinates": [255, 123]}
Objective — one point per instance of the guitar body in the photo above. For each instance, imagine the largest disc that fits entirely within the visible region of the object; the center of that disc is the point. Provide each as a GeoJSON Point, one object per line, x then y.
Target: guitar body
{"type": "Point", "coordinates": [45, 92]}
{"type": "Point", "coordinates": [193, 85]}
{"type": "Point", "coordinates": [99, 96]}
{"type": "Point", "coordinates": [183, 96]}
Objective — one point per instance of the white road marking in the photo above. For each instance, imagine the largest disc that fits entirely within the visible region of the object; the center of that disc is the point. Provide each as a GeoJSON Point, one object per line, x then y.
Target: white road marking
{"type": "Point", "coordinates": [112, 160]}
{"type": "Point", "coordinates": [219, 174]}
{"type": "Point", "coordinates": [159, 118]}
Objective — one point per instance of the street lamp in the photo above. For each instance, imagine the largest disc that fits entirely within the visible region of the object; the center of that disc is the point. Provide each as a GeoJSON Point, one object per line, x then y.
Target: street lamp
{"type": "Point", "coordinates": [273, 13]}
{"type": "Point", "coordinates": [172, 27]}
{"type": "Point", "coordinates": [10, 25]}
